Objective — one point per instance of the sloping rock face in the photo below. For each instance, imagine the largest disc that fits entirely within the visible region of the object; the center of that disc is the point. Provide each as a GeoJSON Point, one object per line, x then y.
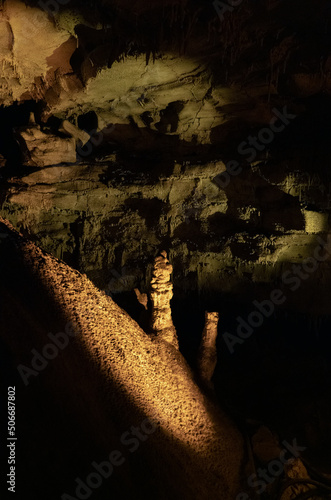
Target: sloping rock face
{"type": "Point", "coordinates": [108, 377]}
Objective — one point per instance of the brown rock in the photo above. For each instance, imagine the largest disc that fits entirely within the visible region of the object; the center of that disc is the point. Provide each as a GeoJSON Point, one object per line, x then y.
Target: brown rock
{"type": "Point", "coordinates": [265, 445]}
{"type": "Point", "coordinates": [46, 149]}
{"type": "Point", "coordinates": [110, 377]}
{"type": "Point", "coordinates": [207, 356]}
{"type": "Point", "coordinates": [161, 293]}
{"type": "Point", "coordinates": [296, 470]}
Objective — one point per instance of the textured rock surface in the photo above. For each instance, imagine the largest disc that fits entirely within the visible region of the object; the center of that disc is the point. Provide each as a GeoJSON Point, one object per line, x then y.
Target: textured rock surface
{"type": "Point", "coordinates": [209, 76]}
{"type": "Point", "coordinates": [207, 357]}
{"type": "Point", "coordinates": [160, 295]}
{"type": "Point", "coordinates": [235, 241]}
{"type": "Point", "coordinates": [296, 471]}
{"type": "Point", "coordinates": [47, 149]}
{"type": "Point", "coordinates": [167, 96]}
{"type": "Point", "coordinates": [110, 377]}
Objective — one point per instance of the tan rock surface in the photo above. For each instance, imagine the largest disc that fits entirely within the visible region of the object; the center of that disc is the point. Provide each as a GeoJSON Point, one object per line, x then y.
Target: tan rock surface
{"type": "Point", "coordinates": [207, 357]}
{"type": "Point", "coordinates": [111, 376]}
{"type": "Point", "coordinates": [160, 295]}
{"type": "Point", "coordinates": [47, 149]}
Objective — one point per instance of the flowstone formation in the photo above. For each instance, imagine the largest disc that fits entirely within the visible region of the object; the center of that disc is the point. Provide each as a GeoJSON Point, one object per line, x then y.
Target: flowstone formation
{"type": "Point", "coordinates": [161, 294]}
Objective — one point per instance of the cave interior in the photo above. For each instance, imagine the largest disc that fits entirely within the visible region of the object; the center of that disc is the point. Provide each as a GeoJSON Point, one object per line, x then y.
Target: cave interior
{"type": "Point", "coordinates": [166, 165]}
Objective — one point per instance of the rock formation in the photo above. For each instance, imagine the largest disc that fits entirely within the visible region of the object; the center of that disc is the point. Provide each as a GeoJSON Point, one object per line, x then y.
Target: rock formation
{"type": "Point", "coordinates": [221, 242]}
{"type": "Point", "coordinates": [104, 378]}
{"type": "Point", "coordinates": [295, 474]}
{"type": "Point", "coordinates": [207, 357]}
{"type": "Point", "coordinates": [142, 298]}
{"type": "Point", "coordinates": [43, 149]}
{"type": "Point", "coordinates": [160, 295]}
{"type": "Point", "coordinates": [80, 136]}
{"type": "Point", "coordinates": [199, 126]}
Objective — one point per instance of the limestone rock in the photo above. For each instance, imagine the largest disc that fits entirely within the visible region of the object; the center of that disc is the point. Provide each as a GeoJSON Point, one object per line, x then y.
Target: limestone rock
{"type": "Point", "coordinates": [207, 357]}
{"type": "Point", "coordinates": [133, 213]}
{"type": "Point", "coordinates": [265, 446]}
{"type": "Point", "coordinates": [109, 377]}
{"type": "Point", "coordinates": [296, 470]}
{"type": "Point", "coordinates": [46, 149]}
{"type": "Point", "coordinates": [79, 135]}
{"type": "Point", "coordinates": [68, 61]}
{"type": "Point", "coordinates": [142, 298]}
{"type": "Point", "coordinates": [161, 294]}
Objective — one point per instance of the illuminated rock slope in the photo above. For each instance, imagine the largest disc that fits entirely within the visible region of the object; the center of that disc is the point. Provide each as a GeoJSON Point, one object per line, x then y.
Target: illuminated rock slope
{"type": "Point", "coordinates": [110, 376]}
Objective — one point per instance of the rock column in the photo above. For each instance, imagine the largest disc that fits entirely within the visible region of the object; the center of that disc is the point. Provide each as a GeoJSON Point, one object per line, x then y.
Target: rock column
{"type": "Point", "coordinates": [160, 295]}
{"type": "Point", "coordinates": [207, 356]}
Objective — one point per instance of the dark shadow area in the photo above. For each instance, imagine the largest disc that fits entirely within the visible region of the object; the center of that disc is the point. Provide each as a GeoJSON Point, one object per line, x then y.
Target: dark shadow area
{"type": "Point", "coordinates": [149, 209]}
{"type": "Point", "coordinates": [11, 117]}
{"type": "Point", "coordinates": [169, 117]}
{"type": "Point", "coordinates": [88, 121]}
{"type": "Point", "coordinates": [279, 377]}
{"type": "Point", "coordinates": [307, 136]}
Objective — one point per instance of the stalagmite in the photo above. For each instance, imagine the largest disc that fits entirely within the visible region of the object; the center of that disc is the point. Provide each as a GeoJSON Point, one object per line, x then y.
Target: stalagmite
{"type": "Point", "coordinates": [160, 295]}
{"type": "Point", "coordinates": [142, 298]}
{"type": "Point", "coordinates": [207, 356]}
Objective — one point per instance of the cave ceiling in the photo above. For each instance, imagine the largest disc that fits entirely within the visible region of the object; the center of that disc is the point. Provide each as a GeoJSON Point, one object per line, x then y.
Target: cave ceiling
{"type": "Point", "coordinates": [191, 70]}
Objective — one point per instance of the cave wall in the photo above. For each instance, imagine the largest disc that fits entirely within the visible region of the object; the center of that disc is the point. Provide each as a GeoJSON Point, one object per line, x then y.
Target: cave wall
{"type": "Point", "coordinates": [109, 222]}
{"type": "Point", "coordinates": [142, 138]}
{"type": "Point", "coordinates": [168, 94]}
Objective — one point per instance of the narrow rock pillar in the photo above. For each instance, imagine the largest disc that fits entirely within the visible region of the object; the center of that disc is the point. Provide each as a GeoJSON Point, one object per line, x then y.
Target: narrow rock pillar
{"type": "Point", "coordinates": [207, 356]}
{"type": "Point", "coordinates": [160, 295]}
